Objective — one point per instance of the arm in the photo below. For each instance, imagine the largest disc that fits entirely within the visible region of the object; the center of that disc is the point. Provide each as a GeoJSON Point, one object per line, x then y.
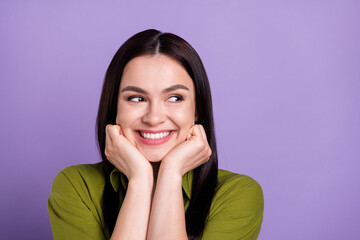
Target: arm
{"type": "Point", "coordinates": [134, 214]}
{"type": "Point", "coordinates": [133, 217]}
{"type": "Point", "coordinates": [167, 219]}
{"type": "Point", "coordinates": [73, 214]}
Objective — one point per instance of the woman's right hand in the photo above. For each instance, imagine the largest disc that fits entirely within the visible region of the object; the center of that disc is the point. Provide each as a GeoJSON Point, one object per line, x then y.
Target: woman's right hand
{"type": "Point", "coordinates": [133, 217]}
{"type": "Point", "coordinates": [124, 155]}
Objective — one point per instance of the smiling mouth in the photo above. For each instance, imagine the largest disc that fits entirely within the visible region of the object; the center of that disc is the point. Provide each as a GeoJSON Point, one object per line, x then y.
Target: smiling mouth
{"type": "Point", "coordinates": [154, 136]}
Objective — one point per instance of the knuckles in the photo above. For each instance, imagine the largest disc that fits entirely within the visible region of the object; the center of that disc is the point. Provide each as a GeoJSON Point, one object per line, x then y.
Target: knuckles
{"type": "Point", "coordinates": [209, 152]}
{"type": "Point", "coordinates": [107, 152]}
{"type": "Point", "coordinates": [109, 129]}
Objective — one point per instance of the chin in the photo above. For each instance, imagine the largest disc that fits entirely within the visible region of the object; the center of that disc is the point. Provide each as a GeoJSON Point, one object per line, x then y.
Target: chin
{"type": "Point", "coordinates": [154, 156]}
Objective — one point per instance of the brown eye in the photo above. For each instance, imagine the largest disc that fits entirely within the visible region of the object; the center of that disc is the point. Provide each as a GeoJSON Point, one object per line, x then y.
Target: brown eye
{"type": "Point", "coordinates": [136, 99]}
{"type": "Point", "coordinates": [175, 98]}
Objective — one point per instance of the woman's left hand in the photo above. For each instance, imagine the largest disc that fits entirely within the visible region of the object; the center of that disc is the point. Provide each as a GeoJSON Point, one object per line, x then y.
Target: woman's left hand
{"type": "Point", "coordinates": [189, 154]}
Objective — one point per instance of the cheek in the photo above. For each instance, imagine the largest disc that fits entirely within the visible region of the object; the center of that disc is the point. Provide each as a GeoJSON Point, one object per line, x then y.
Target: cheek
{"type": "Point", "coordinates": [184, 119]}
{"type": "Point", "coordinates": [126, 118]}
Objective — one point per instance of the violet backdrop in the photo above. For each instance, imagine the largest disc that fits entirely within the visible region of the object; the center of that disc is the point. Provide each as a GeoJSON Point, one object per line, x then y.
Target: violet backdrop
{"type": "Point", "coordinates": [285, 78]}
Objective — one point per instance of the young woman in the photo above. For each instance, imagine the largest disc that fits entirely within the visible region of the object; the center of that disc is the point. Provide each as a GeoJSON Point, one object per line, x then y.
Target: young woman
{"type": "Point", "coordinates": [159, 178]}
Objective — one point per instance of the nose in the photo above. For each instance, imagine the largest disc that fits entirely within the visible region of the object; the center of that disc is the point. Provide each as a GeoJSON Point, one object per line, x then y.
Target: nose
{"type": "Point", "coordinates": [155, 114]}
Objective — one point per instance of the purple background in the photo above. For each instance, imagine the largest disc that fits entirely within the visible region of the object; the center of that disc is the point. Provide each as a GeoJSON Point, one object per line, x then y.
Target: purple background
{"type": "Point", "coordinates": [285, 83]}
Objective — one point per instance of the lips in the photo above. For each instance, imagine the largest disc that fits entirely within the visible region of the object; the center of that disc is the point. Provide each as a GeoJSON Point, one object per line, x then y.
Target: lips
{"type": "Point", "coordinates": [154, 137]}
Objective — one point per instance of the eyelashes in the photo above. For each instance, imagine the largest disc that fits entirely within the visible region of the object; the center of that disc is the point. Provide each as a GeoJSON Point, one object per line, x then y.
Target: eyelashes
{"type": "Point", "coordinates": [173, 98]}
{"type": "Point", "coordinates": [135, 99]}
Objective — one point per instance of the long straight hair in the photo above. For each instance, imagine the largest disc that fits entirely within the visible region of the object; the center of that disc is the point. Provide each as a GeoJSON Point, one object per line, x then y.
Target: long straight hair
{"type": "Point", "coordinates": [151, 42]}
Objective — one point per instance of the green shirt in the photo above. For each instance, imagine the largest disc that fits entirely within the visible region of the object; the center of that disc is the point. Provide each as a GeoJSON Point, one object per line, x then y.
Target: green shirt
{"type": "Point", "coordinates": [75, 204]}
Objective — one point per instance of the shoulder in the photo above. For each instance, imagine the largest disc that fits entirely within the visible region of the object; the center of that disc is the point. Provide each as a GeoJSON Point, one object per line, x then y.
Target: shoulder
{"type": "Point", "coordinates": [229, 182]}
{"type": "Point", "coordinates": [237, 208]}
{"type": "Point", "coordinates": [74, 204]}
{"type": "Point", "coordinates": [79, 178]}
{"type": "Point", "coordinates": [237, 191]}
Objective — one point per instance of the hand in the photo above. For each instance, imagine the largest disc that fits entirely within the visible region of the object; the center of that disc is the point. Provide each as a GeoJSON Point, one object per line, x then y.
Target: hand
{"type": "Point", "coordinates": [190, 154]}
{"type": "Point", "coordinates": [124, 155]}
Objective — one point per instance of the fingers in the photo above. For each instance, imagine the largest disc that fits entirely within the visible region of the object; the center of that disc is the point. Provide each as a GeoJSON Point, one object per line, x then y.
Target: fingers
{"type": "Point", "coordinates": [119, 129]}
{"type": "Point", "coordinates": [113, 130]}
{"type": "Point", "coordinates": [197, 130]}
{"type": "Point", "coordinates": [108, 134]}
{"type": "Point", "coordinates": [190, 154]}
{"type": "Point", "coordinates": [202, 130]}
{"type": "Point", "coordinates": [191, 132]}
{"type": "Point", "coordinates": [188, 136]}
{"type": "Point", "coordinates": [112, 137]}
{"type": "Point", "coordinates": [207, 150]}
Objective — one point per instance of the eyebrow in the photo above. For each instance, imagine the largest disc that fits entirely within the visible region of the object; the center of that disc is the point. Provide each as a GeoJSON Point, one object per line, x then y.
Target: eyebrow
{"type": "Point", "coordinates": [134, 89]}
{"type": "Point", "coordinates": [166, 90]}
{"type": "Point", "coordinates": [175, 87]}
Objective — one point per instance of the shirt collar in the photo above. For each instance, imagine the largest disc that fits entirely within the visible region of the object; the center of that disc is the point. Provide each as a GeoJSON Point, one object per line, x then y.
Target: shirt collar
{"type": "Point", "coordinates": [117, 178]}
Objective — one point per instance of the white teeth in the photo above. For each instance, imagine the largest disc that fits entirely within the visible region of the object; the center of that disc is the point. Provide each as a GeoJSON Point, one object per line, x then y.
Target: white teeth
{"type": "Point", "coordinates": [154, 135]}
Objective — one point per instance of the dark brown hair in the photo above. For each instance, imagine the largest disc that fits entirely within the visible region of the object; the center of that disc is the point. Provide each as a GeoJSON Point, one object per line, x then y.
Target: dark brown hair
{"type": "Point", "coordinates": [151, 42]}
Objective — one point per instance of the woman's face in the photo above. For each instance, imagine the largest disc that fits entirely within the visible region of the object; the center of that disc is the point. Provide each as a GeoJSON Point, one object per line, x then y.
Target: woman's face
{"type": "Point", "coordinates": [156, 105]}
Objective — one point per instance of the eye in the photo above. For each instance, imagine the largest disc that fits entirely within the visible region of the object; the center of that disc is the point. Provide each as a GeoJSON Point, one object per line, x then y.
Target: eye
{"type": "Point", "coordinates": [175, 98]}
{"type": "Point", "coordinates": [136, 99]}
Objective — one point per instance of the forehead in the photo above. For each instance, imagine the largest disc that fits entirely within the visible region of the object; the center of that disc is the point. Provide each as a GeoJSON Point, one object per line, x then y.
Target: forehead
{"type": "Point", "coordinates": [155, 72]}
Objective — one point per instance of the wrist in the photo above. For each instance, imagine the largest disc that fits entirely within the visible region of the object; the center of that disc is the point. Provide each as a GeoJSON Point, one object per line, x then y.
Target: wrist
{"type": "Point", "coordinates": [169, 173]}
{"type": "Point", "coordinates": [145, 179]}
{"type": "Point", "coordinates": [170, 165]}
